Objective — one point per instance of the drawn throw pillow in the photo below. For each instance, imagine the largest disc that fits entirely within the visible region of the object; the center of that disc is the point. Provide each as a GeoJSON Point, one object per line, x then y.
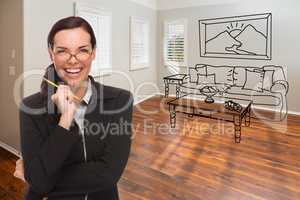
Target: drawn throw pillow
{"type": "Point", "coordinates": [206, 78]}
{"type": "Point", "coordinates": [254, 80]}
{"type": "Point", "coordinates": [268, 79]}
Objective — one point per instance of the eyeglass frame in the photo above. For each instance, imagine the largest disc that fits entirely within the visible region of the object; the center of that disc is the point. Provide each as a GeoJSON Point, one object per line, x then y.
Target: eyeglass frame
{"type": "Point", "coordinates": [72, 55]}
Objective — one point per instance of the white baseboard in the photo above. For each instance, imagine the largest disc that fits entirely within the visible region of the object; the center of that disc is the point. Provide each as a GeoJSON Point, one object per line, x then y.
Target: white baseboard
{"type": "Point", "coordinates": [10, 149]}
{"type": "Point", "coordinates": [293, 112]}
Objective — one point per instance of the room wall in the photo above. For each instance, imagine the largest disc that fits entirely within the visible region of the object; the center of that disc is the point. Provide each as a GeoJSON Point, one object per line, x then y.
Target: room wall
{"type": "Point", "coordinates": [39, 16]}
{"type": "Point", "coordinates": [11, 66]}
{"type": "Point", "coordinates": [285, 36]}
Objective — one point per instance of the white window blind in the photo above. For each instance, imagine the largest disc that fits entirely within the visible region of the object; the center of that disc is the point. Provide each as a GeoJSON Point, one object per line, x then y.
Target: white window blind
{"type": "Point", "coordinates": [101, 22]}
{"type": "Point", "coordinates": [139, 43]}
{"type": "Point", "coordinates": [175, 43]}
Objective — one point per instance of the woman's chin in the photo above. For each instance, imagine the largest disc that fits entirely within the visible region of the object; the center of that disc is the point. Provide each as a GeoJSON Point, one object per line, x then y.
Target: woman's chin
{"type": "Point", "coordinates": [73, 80]}
{"type": "Point", "coordinates": [76, 83]}
{"type": "Point", "coordinates": [73, 83]}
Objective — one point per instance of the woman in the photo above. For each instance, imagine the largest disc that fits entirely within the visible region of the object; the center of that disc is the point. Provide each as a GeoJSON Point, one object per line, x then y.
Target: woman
{"type": "Point", "coordinates": [75, 139]}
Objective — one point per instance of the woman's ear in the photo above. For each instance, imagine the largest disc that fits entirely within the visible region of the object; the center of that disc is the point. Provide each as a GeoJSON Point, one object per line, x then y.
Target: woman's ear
{"type": "Point", "coordinates": [51, 55]}
{"type": "Point", "coordinates": [94, 54]}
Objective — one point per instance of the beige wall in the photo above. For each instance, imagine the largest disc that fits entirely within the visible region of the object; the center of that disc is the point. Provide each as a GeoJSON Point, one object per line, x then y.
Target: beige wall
{"type": "Point", "coordinates": [11, 66]}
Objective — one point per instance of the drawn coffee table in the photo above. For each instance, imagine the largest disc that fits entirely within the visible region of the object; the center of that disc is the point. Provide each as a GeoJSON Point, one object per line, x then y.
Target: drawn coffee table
{"type": "Point", "coordinates": [196, 107]}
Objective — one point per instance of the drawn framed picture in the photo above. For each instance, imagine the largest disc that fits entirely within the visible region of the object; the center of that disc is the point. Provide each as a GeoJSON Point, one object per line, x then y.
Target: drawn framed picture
{"type": "Point", "coordinates": [239, 37]}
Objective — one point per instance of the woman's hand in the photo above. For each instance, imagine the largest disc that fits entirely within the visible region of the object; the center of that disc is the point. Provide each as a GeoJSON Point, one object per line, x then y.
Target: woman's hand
{"type": "Point", "coordinates": [19, 171]}
{"type": "Point", "coordinates": [64, 99]}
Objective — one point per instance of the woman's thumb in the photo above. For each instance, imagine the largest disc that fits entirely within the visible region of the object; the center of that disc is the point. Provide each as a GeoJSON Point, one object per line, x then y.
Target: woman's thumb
{"type": "Point", "coordinates": [53, 97]}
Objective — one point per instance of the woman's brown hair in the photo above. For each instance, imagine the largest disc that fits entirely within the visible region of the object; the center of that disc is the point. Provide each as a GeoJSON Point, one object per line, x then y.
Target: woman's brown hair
{"type": "Point", "coordinates": [70, 23]}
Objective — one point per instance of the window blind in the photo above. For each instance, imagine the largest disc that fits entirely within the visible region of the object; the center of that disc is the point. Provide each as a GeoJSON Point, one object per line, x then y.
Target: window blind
{"type": "Point", "coordinates": [175, 43]}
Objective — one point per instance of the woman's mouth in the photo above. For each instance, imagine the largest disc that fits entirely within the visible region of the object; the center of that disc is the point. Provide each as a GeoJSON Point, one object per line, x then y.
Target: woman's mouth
{"type": "Point", "coordinates": [73, 71]}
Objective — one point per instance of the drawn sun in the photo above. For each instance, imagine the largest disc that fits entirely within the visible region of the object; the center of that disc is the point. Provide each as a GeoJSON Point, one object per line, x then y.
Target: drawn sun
{"type": "Point", "coordinates": [234, 28]}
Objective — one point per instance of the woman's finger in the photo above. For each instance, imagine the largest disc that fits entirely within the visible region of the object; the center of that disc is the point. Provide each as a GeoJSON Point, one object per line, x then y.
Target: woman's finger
{"type": "Point", "coordinates": [65, 92]}
{"type": "Point", "coordinates": [20, 161]}
{"type": "Point", "coordinates": [19, 171]}
{"type": "Point", "coordinates": [17, 165]}
{"type": "Point", "coordinates": [54, 97]}
{"type": "Point", "coordinates": [17, 174]}
{"type": "Point", "coordinates": [70, 97]}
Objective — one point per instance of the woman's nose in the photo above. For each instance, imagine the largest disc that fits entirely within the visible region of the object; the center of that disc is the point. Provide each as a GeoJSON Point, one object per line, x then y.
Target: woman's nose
{"type": "Point", "coordinates": [73, 59]}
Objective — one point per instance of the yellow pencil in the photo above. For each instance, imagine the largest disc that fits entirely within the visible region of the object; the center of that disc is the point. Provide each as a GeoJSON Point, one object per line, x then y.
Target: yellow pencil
{"type": "Point", "coordinates": [55, 85]}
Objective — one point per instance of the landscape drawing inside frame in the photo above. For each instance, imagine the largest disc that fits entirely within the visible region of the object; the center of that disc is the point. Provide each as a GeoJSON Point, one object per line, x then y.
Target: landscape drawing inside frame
{"type": "Point", "coordinates": [239, 37]}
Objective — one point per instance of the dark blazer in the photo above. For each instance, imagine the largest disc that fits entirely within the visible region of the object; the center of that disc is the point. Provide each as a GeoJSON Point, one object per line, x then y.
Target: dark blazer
{"type": "Point", "coordinates": [54, 164]}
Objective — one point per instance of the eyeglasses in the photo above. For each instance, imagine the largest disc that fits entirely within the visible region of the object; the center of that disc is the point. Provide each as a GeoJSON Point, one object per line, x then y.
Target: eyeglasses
{"type": "Point", "coordinates": [65, 55]}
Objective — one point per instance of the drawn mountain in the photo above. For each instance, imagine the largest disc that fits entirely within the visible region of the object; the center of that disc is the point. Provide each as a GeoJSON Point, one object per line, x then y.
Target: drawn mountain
{"type": "Point", "coordinates": [219, 43]}
{"type": "Point", "coordinates": [248, 42]}
{"type": "Point", "coordinates": [253, 41]}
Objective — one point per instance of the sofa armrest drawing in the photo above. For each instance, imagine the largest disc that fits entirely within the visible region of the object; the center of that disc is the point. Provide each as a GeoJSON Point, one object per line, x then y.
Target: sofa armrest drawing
{"type": "Point", "coordinates": [280, 86]}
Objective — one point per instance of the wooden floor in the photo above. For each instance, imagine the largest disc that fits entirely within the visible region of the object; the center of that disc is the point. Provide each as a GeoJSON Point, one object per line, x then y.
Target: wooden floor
{"type": "Point", "coordinates": [198, 159]}
{"type": "Point", "coordinates": [10, 187]}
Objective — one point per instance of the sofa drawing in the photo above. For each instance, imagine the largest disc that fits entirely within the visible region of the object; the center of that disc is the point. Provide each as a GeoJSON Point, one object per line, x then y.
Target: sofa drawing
{"type": "Point", "coordinates": [266, 86]}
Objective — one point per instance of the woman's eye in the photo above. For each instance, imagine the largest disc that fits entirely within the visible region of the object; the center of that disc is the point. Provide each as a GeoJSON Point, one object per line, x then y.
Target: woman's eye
{"type": "Point", "coordinates": [84, 50]}
{"type": "Point", "coordinates": [60, 51]}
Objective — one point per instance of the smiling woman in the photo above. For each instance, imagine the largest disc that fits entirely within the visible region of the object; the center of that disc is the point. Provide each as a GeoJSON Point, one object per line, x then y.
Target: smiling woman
{"type": "Point", "coordinates": [64, 156]}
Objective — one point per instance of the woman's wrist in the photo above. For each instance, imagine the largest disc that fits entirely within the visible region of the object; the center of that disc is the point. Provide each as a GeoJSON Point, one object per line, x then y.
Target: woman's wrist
{"type": "Point", "coordinates": [66, 120]}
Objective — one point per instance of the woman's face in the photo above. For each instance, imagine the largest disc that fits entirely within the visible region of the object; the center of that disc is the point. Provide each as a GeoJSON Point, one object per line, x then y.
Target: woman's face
{"type": "Point", "coordinates": [72, 55]}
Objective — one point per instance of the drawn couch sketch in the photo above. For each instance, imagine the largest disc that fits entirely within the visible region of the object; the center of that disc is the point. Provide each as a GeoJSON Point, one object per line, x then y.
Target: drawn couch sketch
{"type": "Point", "coordinates": [266, 86]}
{"type": "Point", "coordinates": [240, 37]}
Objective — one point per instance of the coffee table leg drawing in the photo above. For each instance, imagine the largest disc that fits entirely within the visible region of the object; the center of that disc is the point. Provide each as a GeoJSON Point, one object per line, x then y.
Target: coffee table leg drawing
{"type": "Point", "coordinates": [237, 121]}
{"type": "Point", "coordinates": [177, 91]}
{"type": "Point", "coordinates": [248, 117]}
{"type": "Point", "coordinates": [166, 88]}
{"type": "Point", "coordinates": [172, 116]}
{"type": "Point", "coordinates": [237, 128]}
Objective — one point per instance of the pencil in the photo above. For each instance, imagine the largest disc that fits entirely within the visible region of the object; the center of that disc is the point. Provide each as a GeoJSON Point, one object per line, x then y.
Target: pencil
{"type": "Point", "coordinates": [55, 85]}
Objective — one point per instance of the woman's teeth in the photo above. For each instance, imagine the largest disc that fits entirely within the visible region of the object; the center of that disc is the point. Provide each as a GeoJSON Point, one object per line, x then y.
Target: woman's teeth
{"type": "Point", "coordinates": [73, 71]}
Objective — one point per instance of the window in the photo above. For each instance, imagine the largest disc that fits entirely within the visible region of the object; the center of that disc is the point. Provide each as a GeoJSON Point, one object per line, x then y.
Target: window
{"type": "Point", "coordinates": [101, 21]}
{"type": "Point", "coordinates": [175, 45]}
{"type": "Point", "coordinates": [139, 43]}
